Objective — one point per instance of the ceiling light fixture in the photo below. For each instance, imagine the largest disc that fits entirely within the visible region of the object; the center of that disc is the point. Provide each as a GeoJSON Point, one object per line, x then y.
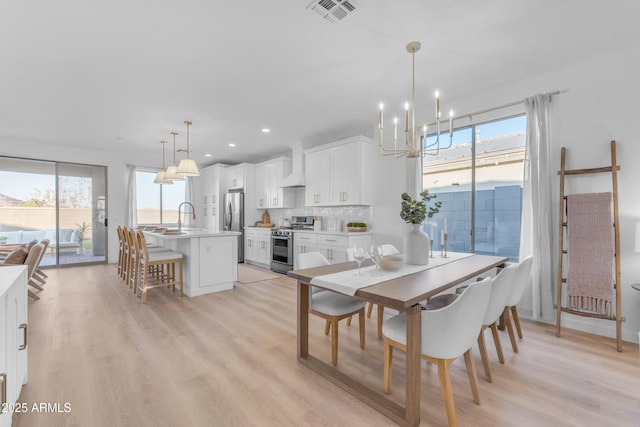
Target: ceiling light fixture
{"type": "Point", "coordinates": [160, 178]}
{"type": "Point", "coordinates": [231, 144]}
{"type": "Point", "coordinates": [187, 166]}
{"type": "Point", "coordinates": [416, 144]}
{"type": "Point", "coordinates": [172, 171]}
{"type": "Point", "coordinates": [266, 130]}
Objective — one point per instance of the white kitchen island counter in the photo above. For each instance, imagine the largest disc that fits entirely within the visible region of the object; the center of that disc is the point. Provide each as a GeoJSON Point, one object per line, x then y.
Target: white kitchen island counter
{"type": "Point", "coordinates": [210, 261]}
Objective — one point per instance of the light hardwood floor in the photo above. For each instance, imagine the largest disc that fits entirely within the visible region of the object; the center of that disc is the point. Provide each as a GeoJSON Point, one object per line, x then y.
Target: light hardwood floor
{"type": "Point", "coordinates": [229, 359]}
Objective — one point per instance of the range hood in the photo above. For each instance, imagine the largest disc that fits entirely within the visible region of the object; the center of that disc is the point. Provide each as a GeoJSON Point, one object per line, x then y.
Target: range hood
{"type": "Point", "coordinates": [296, 178]}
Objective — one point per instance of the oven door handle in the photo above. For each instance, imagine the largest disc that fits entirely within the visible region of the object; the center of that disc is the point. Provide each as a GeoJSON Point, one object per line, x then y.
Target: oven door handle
{"type": "Point", "coordinates": [281, 238]}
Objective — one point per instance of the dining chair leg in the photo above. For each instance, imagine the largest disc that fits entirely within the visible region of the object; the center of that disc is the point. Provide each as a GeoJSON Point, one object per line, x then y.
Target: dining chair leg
{"type": "Point", "coordinates": [380, 316]}
{"type": "Point", "coordinates": [507, 322]}
{"type": "Point", "coordinates": [388, 358]}
{"type": "Point", "coordinates": [361, 326]}
{"type": "Point", "coordinates": [447, 393]}
{"type": "Point", "coordinates": [516, 320]}
{"type": "Point", "coordinates": [349, 321]}
{"type": "Point", "coordinates": [32, 294]}
{"type": "Point", "coordinates": [483, 354]}
{"type": "Point", "coordinates": [334, 341]}
{"type": "Point", "coordinates": [473, 377]}
{"type": "Point", "coordinates": [327, 327]}
{"type": "Point", "coordinates": [369, 310]}
{"type": "Point", "coordinates": [496, 341]}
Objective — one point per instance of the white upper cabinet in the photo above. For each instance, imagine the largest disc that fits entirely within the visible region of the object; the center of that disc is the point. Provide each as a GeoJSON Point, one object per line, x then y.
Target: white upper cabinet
{"type": "Point", "coordinates": [239, 176]}
{"type": "Point", "coordinates": [339, 173]}
{"type": "Point", "coordinates": [269, 176]}
{"type": "Point", "coordinates": [318, 177]}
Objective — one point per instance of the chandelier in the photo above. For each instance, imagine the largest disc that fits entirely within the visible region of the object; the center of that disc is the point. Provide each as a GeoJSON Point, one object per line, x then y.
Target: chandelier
{"type": "Point", "coordinates": [415, 142]}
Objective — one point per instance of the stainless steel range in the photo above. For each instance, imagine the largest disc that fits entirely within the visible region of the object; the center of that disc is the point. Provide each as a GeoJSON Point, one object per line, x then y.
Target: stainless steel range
{"type": "Point", "coordinates": [282, 243]}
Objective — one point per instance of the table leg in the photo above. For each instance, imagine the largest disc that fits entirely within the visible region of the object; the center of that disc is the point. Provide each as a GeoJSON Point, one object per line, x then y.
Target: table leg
{"type": "Point", "coordinates": [412, 371]}
{"type": "Point", "coordinates": [303, 320]}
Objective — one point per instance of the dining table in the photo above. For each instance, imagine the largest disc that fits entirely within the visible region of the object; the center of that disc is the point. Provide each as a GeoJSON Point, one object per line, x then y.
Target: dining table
{"type": "Point", "coordinates": [403, 293]}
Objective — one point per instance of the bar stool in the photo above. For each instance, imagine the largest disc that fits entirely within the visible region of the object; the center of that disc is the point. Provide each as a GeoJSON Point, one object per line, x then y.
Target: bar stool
{"type": "Point", "coordinates": [156, 268]}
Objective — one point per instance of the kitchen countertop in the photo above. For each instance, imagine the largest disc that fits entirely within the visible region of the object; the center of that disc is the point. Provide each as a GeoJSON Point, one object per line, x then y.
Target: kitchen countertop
{"type": "Point", "coordinates": [192, 233]}
{"type": "Point", "coordinates": [336, 233]}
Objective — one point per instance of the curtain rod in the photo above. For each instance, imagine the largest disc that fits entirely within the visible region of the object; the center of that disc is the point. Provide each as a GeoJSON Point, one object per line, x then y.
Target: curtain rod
{"type": "Point", "coordinates": [500, 107]}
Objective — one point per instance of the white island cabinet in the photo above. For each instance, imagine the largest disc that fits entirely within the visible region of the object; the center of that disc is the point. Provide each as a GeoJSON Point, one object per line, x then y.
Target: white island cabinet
{"type": "Point", "coordinates": [13, 337]}
{"type": "Point", "coordinates": [210, 262]}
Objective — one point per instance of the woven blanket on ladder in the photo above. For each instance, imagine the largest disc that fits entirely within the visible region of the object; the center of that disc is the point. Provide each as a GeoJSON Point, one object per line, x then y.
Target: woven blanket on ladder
{"type": "Point", "coordinates": [590, 236]}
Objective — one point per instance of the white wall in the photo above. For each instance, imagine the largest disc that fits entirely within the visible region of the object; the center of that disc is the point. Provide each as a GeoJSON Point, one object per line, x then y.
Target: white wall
{"type": "Point", "coordinates": [596, 105]}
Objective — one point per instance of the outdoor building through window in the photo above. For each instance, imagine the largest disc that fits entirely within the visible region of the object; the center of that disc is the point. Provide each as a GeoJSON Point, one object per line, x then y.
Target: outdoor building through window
{"type": "Point", "coordinates": [479, 181]}
{"type": "Point", "coordinates": [157, 204]}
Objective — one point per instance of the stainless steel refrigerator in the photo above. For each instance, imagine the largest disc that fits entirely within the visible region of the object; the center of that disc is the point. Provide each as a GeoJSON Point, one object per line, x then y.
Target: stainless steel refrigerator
{"type": "Point", "coordinates": [234, 217]}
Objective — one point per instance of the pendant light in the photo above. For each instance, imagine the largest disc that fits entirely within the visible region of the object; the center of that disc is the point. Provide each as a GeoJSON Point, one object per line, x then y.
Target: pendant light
{"type": "Point", "coordinates": [160, 176]}
{"type": "Point", "coordinates": [187, 166]}
{"type": "Point", "coordinates": [172, 170]}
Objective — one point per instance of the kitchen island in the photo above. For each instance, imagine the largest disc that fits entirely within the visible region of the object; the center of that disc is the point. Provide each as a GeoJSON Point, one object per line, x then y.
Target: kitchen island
{"type": "Point", "coordinates": [210, 260]}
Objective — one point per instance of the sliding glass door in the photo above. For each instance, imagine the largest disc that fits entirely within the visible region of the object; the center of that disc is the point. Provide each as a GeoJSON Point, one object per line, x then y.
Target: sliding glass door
{"type": "Point", "coordinates": [64, 203]}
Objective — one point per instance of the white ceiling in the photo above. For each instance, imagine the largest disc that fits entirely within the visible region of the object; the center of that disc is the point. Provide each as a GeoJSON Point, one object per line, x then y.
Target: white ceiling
{"type": "Point", "coordinates": [121, 75]}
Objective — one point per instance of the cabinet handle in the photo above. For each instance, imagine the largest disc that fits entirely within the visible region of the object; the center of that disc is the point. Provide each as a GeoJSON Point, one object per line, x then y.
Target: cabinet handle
{"type": "Point", "coordinates": [330, 240]}
{"type": "Point", "coordinates": [23, 326]}
{"type": "Point", "coordinates": [330, 254]}
{"type": "Point", "coordinates": [345, 196]}
{"type": "Point", "coordinates": [3, 378]}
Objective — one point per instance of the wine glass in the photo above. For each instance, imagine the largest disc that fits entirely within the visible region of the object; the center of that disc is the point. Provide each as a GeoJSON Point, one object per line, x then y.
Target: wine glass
{"type": "Point", "coordinates": [359, 254]}
{"type": "Point", "coordinates": [376, 255]}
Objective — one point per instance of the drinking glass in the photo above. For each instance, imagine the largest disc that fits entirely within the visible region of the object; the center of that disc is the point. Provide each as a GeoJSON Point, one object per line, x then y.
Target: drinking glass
{"type": "Point", "coordinates": [376, 255]}
{"type": "Point", "coordinates": [359, 254]}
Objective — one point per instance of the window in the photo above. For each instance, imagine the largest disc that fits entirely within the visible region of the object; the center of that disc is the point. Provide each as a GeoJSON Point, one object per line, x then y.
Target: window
{"type": "Point", "coordinates": [157, 204]}
{"type": "Point", "coordinates": [64, 203]}
{"type": "Point", "coordinates": [479, 180]}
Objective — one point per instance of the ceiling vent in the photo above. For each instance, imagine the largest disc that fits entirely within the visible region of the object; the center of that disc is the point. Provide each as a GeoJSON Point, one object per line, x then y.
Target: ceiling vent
{"type": "Point", "coordinates": [333, 10]}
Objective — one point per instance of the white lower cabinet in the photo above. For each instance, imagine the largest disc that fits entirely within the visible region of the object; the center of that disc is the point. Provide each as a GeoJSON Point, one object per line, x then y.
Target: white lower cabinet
{"type": "Point", "coordinates": [13, 338]}
{"type": "Point", "coordinates": [332, 246]}
{"type": "Point", "coordinates": [257, 246]}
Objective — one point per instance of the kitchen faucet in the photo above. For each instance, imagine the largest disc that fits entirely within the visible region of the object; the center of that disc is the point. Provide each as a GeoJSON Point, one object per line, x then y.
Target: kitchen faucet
{"type": "Point", "coordinates": [193, 210]}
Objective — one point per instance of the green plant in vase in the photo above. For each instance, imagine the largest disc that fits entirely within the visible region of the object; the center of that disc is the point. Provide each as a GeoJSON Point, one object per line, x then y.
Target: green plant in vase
{"type": "Point", "coordinates": [416, 242]}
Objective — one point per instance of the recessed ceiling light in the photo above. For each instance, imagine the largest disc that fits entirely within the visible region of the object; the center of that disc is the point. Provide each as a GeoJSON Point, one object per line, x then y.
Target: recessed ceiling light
{"type": "Point", "coordinates": [207, 155]}
{"type": "Point", "coordinates": [231, 144]}
{"type": "Point", "coordinates": [266, 130]}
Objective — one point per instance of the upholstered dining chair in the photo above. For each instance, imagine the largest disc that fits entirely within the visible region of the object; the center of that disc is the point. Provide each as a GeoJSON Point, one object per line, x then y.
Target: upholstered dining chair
{"type": "Point", "coordinates": [331, 306]}
{"type": "Point", "coordinates": [156, 268]}
{"type": "Point", "coordinates": [517, 290]}
{"type": "Point", "coordinates": [500, 291]}
{"type": "Point", "coordinates": [447, 334]}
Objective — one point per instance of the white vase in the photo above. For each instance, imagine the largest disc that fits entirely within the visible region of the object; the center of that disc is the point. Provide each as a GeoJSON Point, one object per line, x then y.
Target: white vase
{"type": "Point", "coordinates": [416, 246]}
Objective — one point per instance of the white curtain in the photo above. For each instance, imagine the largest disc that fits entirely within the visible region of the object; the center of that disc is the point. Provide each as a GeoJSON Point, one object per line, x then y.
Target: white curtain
{"type": "Point", "coordinates": [131, 217]}
{"type": "Point", "coordinates": [536, 229]}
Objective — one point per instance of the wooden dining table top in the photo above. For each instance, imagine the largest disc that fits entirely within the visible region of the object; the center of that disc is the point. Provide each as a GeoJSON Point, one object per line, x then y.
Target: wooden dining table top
{"type": "Point", "coordinates": [403, 292]}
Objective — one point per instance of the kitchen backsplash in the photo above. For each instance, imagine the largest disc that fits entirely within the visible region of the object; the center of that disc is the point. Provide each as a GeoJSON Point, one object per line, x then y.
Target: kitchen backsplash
{"type": "Point", "coordinates": [345, 214]}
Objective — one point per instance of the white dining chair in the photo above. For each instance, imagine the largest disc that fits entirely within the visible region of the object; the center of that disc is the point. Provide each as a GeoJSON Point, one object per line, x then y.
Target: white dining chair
{"type": "Point", "coordinates": [331, 306]}
{"type": "Point", "coordinates": [447, 334]}
{"type": "Point", "coordinates": [517, 290]}
{"type": "Point", "coordinates": [500, 291]}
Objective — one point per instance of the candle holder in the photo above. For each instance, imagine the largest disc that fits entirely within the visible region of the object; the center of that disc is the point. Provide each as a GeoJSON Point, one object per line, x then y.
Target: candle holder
{"type": "Point", "coordinates": [431, 248]}
{"type": "Point", "coordinates": [443, 247]}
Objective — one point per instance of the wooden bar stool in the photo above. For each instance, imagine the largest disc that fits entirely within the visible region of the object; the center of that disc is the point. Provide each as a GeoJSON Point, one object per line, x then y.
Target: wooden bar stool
{"type": "Point", "coordinates": [156, 268]}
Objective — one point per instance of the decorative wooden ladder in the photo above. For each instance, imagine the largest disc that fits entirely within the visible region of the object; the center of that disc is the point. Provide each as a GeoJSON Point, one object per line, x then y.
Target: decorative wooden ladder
{"type": "Point", "coordinates": [562, 252]}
